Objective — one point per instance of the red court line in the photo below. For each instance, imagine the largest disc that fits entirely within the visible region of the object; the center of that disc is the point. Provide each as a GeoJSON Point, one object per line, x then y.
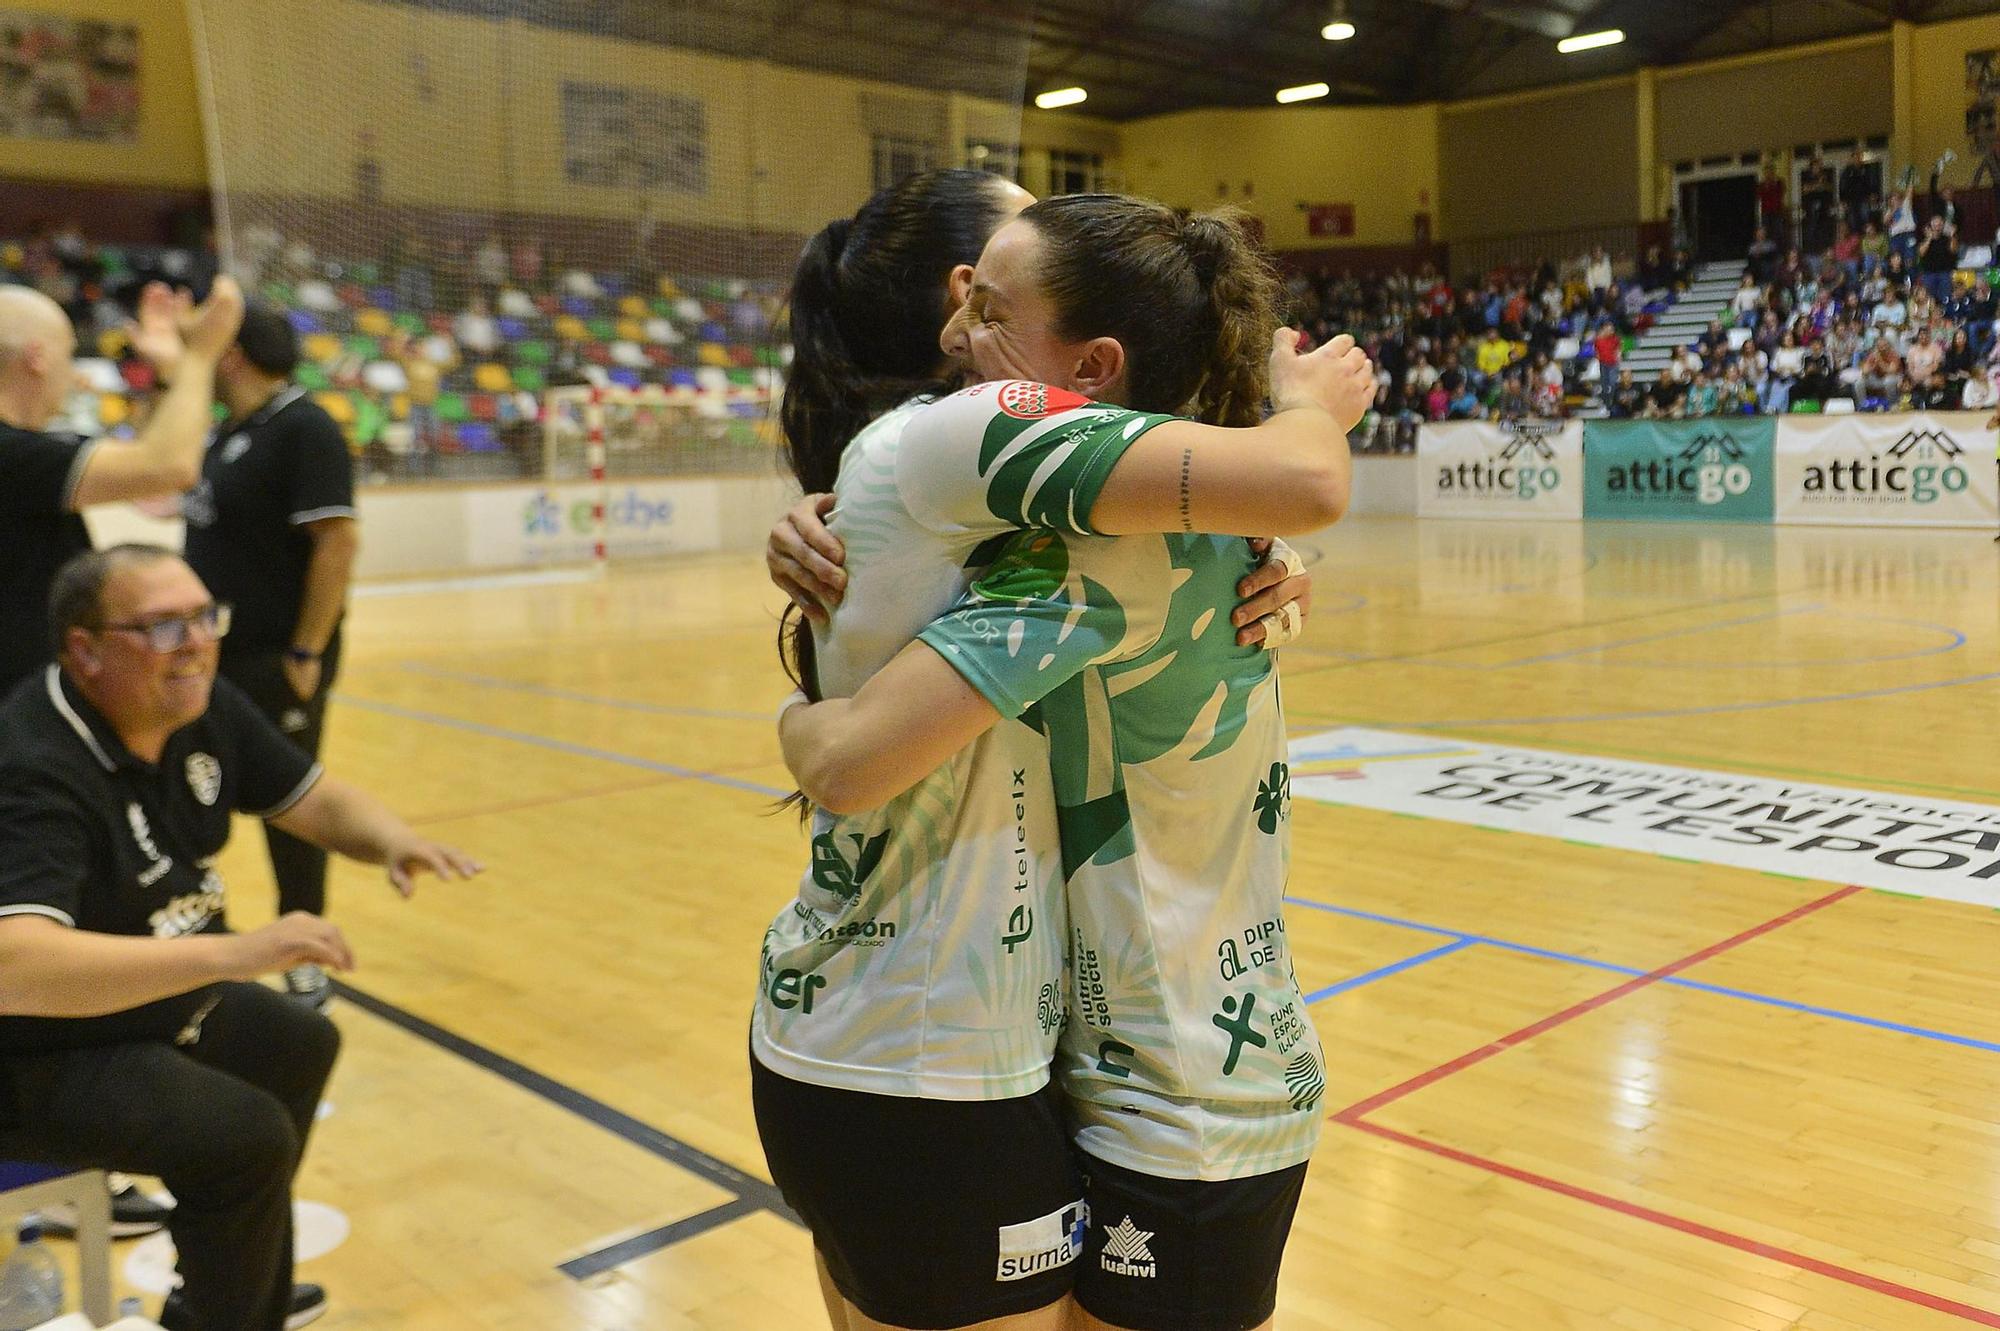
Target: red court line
{"type": "Point", "coordinates": [1352, 1117]}
{"type": "Point", "coordinates": [1500, 1046]}
{"type": "Point", "coordinates": [1846, 1275]}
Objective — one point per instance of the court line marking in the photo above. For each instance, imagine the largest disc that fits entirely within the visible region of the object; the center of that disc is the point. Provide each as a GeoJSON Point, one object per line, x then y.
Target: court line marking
{"type": "Point", "coordinates": [1740, 1243]}
{"type": "Point", "coordinates": [748, 1193]}
{"type": "Point", "coordinates": [1711, 710]}
{"type": "Point", "coordinates": [1653, 637]}
{"type": "Point", "coordinates": [1354, 1116]}
{"type": "Point", "coordinates": [1394, 968]}
{"type": "Point", "coordinates": [1494, 1048]}
{"type": "Point", "coordinates": [571, 695]}
{"type": "Point", "coordinates": [1771, 594]}
{"type": "Point", "coordinates": [559, 745]}
{"type": "Point", "coordinates": [517, 806]}
{"type": "Point", "coordinates": [1592, 963]}
{"type": "Point", "coordinates": [652, 1241]}
{"type": "Point", "coordinates": [476, 582]}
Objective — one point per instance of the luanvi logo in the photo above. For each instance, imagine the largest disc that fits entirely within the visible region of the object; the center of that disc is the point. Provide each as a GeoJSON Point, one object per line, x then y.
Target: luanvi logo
{"type": "Point", "coordinates": [1125, 1251]}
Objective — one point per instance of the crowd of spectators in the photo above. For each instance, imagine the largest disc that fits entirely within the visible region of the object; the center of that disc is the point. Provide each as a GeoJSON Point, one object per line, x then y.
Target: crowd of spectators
{"type": "Point", "coordinates": [1888, 310]}
{"type": "Point", "coordinates": [1538, 341]}
{"type": "Point", "coordinates": [424, 349]}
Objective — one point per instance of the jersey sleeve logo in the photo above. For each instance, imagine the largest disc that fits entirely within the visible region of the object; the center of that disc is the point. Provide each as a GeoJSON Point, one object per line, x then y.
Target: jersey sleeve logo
{"type": "Point", "coordinates": [1033, 402]}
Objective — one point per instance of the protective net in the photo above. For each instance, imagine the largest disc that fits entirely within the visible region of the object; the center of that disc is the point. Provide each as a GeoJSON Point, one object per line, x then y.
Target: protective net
{"type": "Point", "coordinates": [475, 211]}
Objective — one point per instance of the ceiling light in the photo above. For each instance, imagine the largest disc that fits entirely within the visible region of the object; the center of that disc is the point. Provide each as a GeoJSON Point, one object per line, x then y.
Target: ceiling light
{"type": "Point", "coordinates": [1337, 31]}
{"type": "Point", "coordinates": [1305, 92]}
{"type": "Point", "coordinates": [1590, 41]}
{"type": "Point", "coordinates": [1049, 101]}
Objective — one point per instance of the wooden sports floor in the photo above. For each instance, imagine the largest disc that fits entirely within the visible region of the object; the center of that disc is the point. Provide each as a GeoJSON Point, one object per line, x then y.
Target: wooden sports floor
{"type": "Point", "coordinates": [1550, 1117]}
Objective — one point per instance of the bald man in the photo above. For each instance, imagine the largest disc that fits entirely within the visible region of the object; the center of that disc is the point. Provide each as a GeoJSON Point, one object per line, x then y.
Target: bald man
{"type": "Point", "coordinates": [47, 479]}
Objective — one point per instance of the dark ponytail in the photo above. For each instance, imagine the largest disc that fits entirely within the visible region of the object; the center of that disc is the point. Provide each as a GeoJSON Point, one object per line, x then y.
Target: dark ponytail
{"type": "Point", "coordinates": [1244, 296]}
{"type": "Point", "coordinates": [1192, 299]}
{"type": "Point", "coordinates": [868, 301]}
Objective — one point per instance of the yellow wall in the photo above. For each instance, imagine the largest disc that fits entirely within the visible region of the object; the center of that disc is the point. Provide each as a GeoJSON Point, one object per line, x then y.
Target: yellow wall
{"type": "Point", "coordinates": [1937, 89]}
{"type": "Point", "coordinates": [1382, 160]}
{"type": "Point", "coordinates": [1540, 161]}
{"type": "Point", "coordinates": [467, 112]}
{"type": "Point", "coordinates": [169, 150]}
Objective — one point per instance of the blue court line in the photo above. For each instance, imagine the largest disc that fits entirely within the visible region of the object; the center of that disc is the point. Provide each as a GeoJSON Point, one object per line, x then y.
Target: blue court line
{"type": "Point", "coordinates": [1656, 637]}
{"type": "Point", "coordinates": [1463, 940]}
{"type": "Point", "coordinates": [1384, 972]}
{"type": "Point", "coordinates": [570, 695]}
{"type": "Point", "coordinates": [560, 746]}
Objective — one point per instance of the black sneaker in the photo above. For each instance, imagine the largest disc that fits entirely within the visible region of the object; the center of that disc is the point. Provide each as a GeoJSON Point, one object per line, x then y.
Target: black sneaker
{"type": "Point", "coordinates": [132, 1213]}
{"type": "Point", "coordinates": [309, 985]}
{"type": "Point", "coordinates": [308, 1306]}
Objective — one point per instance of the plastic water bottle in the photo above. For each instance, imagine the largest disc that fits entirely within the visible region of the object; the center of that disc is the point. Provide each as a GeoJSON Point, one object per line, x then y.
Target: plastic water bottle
{"type": "Point", "coordinates": [31, 1284]}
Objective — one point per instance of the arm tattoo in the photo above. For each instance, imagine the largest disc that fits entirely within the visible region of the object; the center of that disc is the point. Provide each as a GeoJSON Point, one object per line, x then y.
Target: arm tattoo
{"type": "Point", "coordinates": [1187, 465]}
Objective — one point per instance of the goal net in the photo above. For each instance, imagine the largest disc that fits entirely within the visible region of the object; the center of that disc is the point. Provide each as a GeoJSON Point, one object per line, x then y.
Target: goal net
{"type": "Point", "coordinates": [479, 213]}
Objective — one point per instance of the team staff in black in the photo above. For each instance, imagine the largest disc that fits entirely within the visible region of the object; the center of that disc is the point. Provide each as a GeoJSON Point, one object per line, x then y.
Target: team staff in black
{"type": "Point", "coordinates": [272, 530]}
{"type": "Point", "coordinates": [131, 1035]}
{"type": "Point", "coordinates": [46, 479]}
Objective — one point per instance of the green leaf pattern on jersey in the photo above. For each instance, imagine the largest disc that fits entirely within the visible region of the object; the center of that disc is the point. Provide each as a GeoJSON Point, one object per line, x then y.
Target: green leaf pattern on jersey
{"type": "Point", "coordinates": [1035, 471]}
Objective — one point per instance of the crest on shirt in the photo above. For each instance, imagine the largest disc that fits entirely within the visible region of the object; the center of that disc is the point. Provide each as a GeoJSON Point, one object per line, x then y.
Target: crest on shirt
{"type": "Point", "coordinates": [235, 447]}
{"type": "Point", "coordinates": [204, 776]}
{"type": "Point", "coordinates": [1031, 402]}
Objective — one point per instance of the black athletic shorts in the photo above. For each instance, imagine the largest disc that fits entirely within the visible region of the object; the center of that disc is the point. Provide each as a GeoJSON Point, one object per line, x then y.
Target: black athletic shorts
{"type": "Point", "coordinates": [1169, 1254]}
{"type": "Point", "coordinates": [929, 1213]}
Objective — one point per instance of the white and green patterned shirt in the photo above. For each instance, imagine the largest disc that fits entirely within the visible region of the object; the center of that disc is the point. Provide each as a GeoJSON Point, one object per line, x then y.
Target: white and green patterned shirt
{"type": "Point", "coordinates": [1188, 1052]}
{"type": "Point", "coordinates": [923, 955]}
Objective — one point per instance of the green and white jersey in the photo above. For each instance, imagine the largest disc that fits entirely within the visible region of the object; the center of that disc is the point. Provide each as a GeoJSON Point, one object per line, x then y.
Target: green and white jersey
{"type": "Point", "coordinates": [923, 955]}
{"type": "Point", "coordinates": [1188, 1051]}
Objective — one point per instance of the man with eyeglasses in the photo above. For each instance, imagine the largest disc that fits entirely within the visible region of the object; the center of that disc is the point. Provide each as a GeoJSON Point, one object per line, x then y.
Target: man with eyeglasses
{"type": "Point", "coordinates": [132, 1036]}
{"type": "Point", "coordinates": [272, 529]}
{"type": "Point", "coordinates": [47, 478]}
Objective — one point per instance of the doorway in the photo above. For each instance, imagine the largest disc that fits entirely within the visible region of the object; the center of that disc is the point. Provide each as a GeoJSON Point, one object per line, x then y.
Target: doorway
{"type": "Point", "coordinates": [1720, 215]}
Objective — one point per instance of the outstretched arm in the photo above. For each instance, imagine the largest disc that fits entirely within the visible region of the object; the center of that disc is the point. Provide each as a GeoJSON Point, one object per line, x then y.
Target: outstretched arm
{"type": "Point", "coordinates": [348, 821]}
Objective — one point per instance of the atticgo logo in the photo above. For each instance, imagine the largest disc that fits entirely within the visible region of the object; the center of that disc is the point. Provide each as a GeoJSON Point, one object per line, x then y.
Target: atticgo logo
{"type": "Point", "coordinates": [1921, 466]}
{"type": "Point", "coordinates": [1125, 1251]}
{"type": "Point", "coordinates": [1709, 470]}
{"type": "Point", "coordinates": [1522, 467]}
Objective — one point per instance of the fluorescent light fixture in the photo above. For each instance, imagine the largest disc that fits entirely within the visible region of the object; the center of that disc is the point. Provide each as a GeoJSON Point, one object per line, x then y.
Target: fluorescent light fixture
{"type": "Point", "coordinates": [1338, 31]}
{"type": "Point", "coordinates": [1049, 101]}
{"type": "Point", "coordinates": [1305, 92]}
{"type": "Point", "coordinates": [1590, 41]}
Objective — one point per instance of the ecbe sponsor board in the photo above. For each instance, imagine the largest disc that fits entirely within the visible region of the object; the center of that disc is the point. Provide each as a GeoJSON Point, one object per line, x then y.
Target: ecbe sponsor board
{"type": "Point", "coordinates": [1927, 469]}
{"type": "Point", "coordinates": [1944, 849]}
{"type": "Point", "coordinates": [1510, 469]}
{"type": "Point", "coordinates": [555, 524]}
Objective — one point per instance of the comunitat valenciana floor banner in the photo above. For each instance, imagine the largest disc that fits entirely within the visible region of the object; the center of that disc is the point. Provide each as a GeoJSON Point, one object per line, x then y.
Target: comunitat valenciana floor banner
{"type": "Point", "coordinates": [1884, 470]}
{"type": "Point", "coordinates": [1925, 847]}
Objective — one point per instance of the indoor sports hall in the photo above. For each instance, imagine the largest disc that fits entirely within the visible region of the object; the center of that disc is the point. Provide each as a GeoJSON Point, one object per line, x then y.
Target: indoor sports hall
{"type": "Point", "coordinates": [1643, 780]}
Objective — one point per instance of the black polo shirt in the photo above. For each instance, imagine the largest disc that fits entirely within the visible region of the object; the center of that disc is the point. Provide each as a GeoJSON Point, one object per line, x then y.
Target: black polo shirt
{"type": "Point", "coordinates": [262, 479]}
{"type": "Point", "coordinates": [97, 839]}
{"type": "Point", "coordinates": [39, 532]}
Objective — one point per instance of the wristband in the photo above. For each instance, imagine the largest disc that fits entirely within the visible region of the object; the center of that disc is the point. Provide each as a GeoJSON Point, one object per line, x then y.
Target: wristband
{"type": "Point", "coordinates": [797, 698]}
